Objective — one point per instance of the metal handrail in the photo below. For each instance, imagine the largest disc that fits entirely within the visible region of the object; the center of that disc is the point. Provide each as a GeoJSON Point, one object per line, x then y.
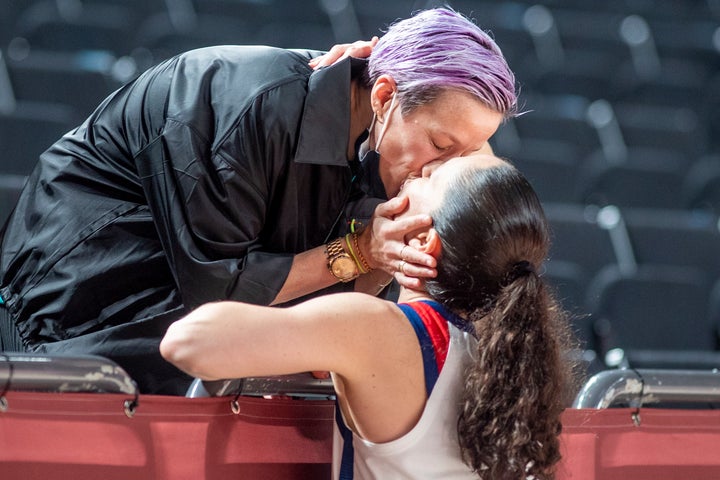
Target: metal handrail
{"type": "Point", "coordinates": [297, 385]}
{"type": "Point", "coordinates": [638, 387]}
{"type": "Point", "coordinates": [61, 373]}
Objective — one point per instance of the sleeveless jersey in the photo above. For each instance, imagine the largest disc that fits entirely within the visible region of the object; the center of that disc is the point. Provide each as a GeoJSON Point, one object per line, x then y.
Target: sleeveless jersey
{"type": "Point", "coordinates": [430, 450]}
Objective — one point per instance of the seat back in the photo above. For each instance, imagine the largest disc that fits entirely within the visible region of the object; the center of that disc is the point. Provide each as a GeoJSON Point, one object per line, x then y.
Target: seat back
{"type": "Point", "coordinates": [656, 307]}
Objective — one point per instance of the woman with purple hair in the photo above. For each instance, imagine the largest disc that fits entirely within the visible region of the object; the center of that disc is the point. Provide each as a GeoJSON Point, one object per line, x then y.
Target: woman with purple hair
{"type": "Point", "coordinates": [241, 173]}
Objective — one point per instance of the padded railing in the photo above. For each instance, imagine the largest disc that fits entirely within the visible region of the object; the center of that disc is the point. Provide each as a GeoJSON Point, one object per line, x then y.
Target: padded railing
{"type": "Point", "coordinates": [640, 387]}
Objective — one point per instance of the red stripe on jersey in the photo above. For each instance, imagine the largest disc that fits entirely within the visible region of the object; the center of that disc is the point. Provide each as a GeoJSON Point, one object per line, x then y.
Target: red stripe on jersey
{"type": "Point", "coordinates": [437, 328]}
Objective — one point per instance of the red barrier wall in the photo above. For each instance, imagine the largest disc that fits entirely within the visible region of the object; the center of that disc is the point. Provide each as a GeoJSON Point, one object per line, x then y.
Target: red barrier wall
{"type": "Point", "coordinates": [89, 436]}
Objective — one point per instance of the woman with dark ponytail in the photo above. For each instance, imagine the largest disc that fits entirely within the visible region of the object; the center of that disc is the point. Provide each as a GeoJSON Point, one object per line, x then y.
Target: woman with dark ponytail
{"type": "Point", "coordinates": [516, 388]}
{"type": "Point", "coordinates": [466, 379]}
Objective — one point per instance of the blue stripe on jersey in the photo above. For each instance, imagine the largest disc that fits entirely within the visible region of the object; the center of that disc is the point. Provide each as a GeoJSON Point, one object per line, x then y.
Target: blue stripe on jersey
{"type": "Point", "coordinates": [461, 324]}
{"type": "Point", "coordinates": [426, 347]}
{"type": "Point", "coordinates": [348, 453]}
{"type": "Point", "coordinates": [431, 376]}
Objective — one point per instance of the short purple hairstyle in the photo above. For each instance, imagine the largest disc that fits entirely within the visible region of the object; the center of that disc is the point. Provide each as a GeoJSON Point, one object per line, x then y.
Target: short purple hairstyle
{"type": "Point", "coordinates": [438, 49]}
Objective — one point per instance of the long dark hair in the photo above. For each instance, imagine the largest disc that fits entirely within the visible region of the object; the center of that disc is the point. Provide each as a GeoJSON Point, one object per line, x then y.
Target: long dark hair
{"type": "Point", "coordinates": [494, 240]}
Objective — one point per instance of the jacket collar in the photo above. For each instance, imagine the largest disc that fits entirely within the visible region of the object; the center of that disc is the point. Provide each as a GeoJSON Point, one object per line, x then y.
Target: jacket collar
{"type": "Point", "coordinates": [325, 124]}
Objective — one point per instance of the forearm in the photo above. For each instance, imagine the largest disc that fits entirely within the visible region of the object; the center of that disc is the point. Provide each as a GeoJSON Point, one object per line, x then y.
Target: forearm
{"type": "Point", "coordinates": [308, 274]}
{"type": "Point", "coordinates": [373, 282]}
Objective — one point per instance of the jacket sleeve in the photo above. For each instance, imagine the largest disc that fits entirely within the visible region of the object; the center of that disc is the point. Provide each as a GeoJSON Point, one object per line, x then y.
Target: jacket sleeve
{"type": "Point", "coordinates": [209, 198]}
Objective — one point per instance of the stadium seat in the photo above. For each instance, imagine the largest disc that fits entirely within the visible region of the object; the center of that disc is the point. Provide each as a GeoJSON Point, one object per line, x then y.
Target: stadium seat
{"type": "Point", "coordinates": [650, 178]}
{"type": "Point", "coordinates": [701, 185]}
{"type": "Point", "coordinates": [166, 35]}
{"type": "Point", "coordinates": [678, 237]}
{"type": "Point", "coordinates": [552, 167]}
{"type": "Point", "coordinates": [29, 131]}
{"type": "Point", "coordinates": [10, 188]}
{"type": "Point", "coordinates": [76, 26]}
{"type": "Point", "coordinates": [656, 307]}
{"type": "Point", "coordinates": [677, 130]}
{"type": "Point", "coordinates": [579, 249]}
{"type": "Point", "coordinates": [557, 118]}
{"type": "Point", "coordinates": [78, 80]}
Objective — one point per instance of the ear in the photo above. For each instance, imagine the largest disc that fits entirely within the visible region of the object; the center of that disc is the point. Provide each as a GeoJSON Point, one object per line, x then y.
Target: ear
{"type": "Point", "coordinates": [427, 242]}
{"type": "Point", "coordinates": [381, 95]}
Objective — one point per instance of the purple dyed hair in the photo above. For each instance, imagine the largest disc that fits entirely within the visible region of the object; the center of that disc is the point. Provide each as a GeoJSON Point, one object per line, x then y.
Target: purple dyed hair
{"type": "Point", "coordinates": [438, 49]}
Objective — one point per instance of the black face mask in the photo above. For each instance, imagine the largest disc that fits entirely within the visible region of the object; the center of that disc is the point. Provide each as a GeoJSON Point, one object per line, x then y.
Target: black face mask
{"type": "Point", "coordinates": [370, 180]}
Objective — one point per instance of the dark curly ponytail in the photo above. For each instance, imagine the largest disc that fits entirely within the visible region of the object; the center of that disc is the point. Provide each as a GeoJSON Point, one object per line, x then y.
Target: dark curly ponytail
{"type": "Point", "coordinates": [495, 237]}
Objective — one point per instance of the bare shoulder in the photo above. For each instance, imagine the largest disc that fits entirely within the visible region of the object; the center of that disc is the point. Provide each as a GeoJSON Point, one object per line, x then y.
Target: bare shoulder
{"type": "Point", "coordinates": [354, 327]}
{"type": "Point", "coordinates": [353, 306]}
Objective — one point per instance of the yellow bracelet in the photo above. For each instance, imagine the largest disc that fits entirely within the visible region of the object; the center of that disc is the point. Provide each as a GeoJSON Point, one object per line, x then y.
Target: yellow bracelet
{"type": "Point", "coordinates": [355, 226]}
{"type": "Point", "coordinates": [360, 266]}
{"type": "Point", "coordinates": [360, 257]}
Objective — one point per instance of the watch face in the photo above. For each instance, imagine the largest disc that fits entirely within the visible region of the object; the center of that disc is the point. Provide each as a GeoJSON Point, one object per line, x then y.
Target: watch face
{"type": "Point", "coordinates": [344, 268]}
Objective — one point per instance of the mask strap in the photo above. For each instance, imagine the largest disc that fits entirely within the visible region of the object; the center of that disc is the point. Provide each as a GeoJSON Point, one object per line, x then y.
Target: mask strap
{"type": "Point", "coordinates": [384, 128]}
{"type": "Point", "coordinates": [372, 123]}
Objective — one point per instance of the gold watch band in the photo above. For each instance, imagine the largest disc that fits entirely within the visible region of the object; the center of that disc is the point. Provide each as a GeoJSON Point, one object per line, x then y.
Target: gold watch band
{"type": "Point", "coordinates": [339, 262]}
{"type": "Point", "coordinates": [334, 248]}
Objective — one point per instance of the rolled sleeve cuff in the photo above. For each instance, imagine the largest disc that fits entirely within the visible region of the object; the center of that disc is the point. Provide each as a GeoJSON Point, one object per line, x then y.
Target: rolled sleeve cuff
{"type": "Point", "coordinates": [263, 276]}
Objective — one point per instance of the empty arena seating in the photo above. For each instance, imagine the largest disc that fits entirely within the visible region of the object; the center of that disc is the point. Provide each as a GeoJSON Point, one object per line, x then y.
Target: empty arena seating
{"type": "Point", "coordinates": [618, 132]}
{"type": "Point", "coordinates": [654, 307]}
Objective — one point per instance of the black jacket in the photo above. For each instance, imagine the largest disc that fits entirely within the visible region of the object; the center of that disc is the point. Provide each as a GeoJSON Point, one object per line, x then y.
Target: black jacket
{"type": "Point", "coordinates": [196, 182]}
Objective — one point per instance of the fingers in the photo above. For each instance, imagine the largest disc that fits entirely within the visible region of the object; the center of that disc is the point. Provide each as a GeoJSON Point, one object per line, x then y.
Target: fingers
{"type": "Point", "coordinates": [412, 223]}
{"type": "Point", "coordinates": [361, 48]}
{"type": "Point", "coordinates": [409, 282]}
{"type": "Point", "coordinates": [414, 270]}
{"type": "Point", "coordinates": [416, 264]}
{"type": "Point", "coordinates": [384, 240]}
{"type": "Point", "coordinates": [358, 49]}
{"type": "Point", "coordinates": [411, 272]}
{"type": "Point", "coordinates": [394, 206]}
{"type": "Point", "coordinates": [337, 52]}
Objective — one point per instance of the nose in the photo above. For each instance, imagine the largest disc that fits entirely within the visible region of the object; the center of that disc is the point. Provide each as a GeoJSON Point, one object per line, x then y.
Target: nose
{"type": "Point", "coordinates": [430, 167]}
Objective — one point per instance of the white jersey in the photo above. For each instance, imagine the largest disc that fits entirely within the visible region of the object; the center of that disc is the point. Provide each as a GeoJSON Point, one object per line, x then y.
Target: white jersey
{"type": "Point", "coordinates": [430, 450]}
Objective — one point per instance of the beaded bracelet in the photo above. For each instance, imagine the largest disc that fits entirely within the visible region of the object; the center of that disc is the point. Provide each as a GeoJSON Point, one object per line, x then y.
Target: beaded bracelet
{"type": "Point", "coordinates": [360, 257]}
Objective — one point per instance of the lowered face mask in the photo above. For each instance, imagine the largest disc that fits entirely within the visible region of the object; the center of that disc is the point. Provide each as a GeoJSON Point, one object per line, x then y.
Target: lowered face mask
{"type": "Point", "coordinates": [371, 182]}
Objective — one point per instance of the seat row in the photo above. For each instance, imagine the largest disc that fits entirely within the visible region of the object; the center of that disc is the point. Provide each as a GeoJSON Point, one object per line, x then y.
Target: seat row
{"type": "Point", "coordinates": [601, 152]}
{"type": "Point", "coordinates": [637, 278]}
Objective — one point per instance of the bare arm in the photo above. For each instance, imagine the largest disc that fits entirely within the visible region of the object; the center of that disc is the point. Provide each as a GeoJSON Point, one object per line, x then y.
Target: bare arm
{"type": "Point", "coordinates": [366, 341]}
{"type": "Point", "coordinates": [233, 340]}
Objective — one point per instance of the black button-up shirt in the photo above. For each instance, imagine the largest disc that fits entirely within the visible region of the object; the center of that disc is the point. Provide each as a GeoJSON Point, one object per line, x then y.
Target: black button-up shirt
{"type": "Point", "coordinates": [196, 182]}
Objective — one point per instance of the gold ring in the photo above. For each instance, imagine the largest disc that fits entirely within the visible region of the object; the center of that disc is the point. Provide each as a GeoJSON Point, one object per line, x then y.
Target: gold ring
{"type": "Point", "coordinates": [401, 268]}
{"type": "Point", "coordinates": [402, 250]}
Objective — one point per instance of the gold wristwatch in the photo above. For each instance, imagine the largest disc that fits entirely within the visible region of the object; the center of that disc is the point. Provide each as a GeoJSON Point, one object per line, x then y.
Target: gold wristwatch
{"type": "Point", "coordinates": [340, 263]}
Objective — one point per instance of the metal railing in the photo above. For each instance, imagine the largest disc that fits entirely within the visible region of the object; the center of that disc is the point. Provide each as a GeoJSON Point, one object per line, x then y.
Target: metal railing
{"type": "Point", "coordinates": [303, 385]}
{"type": "Point", "coordinates": [639, 387]}
{"type": "Point", "coordinates": [60, 373]}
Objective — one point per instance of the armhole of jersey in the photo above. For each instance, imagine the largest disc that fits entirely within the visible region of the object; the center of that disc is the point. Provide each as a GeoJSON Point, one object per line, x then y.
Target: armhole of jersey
{"type": "Point", "coordinates": [433, 335]}
{"type": "Point", "coordinates": [347, 460]}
